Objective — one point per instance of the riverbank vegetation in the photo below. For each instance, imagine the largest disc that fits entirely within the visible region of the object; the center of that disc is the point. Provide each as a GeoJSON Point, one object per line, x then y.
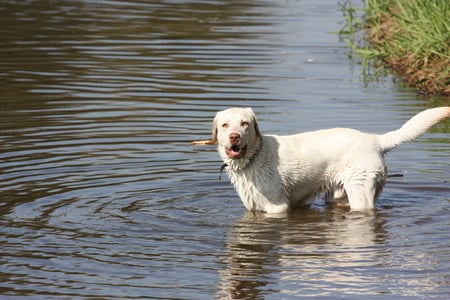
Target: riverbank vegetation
{"type": "Point", "coordinates": [411, 37]}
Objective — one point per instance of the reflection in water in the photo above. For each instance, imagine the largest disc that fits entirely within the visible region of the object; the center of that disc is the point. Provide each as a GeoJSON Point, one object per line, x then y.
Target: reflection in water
{"type": "Point", "coordinates": [318, 253]}
{"type": "Point", "coordinates": [348, 247]}
{"type": "Point", "coordinates": [309, 254]}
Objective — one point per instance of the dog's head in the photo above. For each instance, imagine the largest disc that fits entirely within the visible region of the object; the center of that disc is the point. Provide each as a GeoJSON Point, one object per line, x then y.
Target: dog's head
{"type": "Point", "coordinates": [237, 135]}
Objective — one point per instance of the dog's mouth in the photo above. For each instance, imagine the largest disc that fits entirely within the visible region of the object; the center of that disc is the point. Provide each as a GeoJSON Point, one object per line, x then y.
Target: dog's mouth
{"type": "Point", "coordinates": [235, 152]}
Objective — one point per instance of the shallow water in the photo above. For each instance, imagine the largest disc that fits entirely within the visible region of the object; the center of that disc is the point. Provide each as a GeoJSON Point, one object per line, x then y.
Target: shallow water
{"type": "Point", "coordinates": [102, 195]}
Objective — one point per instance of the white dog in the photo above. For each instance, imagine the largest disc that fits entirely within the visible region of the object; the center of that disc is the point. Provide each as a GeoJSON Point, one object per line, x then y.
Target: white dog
{"type": "Point", "coordinates": [275, 173]}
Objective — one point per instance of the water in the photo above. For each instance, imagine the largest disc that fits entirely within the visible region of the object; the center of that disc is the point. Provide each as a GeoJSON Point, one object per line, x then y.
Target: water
{"type": "Point", "coordinates": [102, 196]}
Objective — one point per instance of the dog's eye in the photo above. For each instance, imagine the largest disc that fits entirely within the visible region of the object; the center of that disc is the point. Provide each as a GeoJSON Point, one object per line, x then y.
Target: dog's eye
{"type": "Point", "coordinates": [244, 124]}
{"type": "Point", "coordinates": [225, 125]}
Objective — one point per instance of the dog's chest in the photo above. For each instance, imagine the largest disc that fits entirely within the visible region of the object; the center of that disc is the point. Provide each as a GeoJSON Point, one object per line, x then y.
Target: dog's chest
{"type": "Point", "coordinates": [256, 188]}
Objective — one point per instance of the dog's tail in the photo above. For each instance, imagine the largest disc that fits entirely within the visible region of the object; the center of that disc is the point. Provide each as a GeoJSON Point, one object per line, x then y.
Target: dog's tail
{"type": "Point", "coordinates": [415, 127]}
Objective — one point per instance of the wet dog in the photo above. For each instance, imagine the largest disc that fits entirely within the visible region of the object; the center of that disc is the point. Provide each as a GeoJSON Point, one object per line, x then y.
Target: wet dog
{"type": "Point", "coordinates": [275, 173]}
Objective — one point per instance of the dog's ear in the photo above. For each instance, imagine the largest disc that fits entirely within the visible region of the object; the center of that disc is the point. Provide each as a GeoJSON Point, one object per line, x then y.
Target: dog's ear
{"type": "Point", "coordinates": [214, 130]}
{"type": "Point", "coordinates": [255, 122]}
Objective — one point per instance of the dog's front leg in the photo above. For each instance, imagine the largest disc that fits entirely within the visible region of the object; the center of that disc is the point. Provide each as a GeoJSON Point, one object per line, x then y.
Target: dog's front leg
{"type": "Point", "coordinates": [276, 208]}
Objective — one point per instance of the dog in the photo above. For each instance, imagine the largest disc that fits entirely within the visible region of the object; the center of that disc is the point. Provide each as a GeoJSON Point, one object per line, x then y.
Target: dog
{"type": "Point", "coordinates": [274, 173]}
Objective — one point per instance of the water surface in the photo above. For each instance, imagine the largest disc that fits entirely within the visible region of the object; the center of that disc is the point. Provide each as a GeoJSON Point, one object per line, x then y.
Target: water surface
{"type": "Point", "coordinates": [101, 194]}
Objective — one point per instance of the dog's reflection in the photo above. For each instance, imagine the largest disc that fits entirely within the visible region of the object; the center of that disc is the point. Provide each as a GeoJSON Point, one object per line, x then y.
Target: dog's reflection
{"type": "Point", "coordinates": [306, 253]}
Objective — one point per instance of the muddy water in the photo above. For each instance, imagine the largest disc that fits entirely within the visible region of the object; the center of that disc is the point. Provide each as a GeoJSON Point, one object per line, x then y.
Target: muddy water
{"type": "Point", "coordinates": [102, 196]}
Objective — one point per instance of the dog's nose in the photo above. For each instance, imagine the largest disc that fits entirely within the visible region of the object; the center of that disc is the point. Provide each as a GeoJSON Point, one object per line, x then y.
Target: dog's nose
{"type": "Point", "coordinates": [235, 138]}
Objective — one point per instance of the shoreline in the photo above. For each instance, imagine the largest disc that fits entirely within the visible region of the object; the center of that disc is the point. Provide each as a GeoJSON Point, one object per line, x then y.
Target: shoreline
{"type": "Point", "coordinates": [402, 37]}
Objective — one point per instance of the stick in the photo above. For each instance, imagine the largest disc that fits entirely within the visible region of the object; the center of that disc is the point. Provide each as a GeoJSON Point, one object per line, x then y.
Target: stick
{"type": "Point", "coordinates": [203, 142]}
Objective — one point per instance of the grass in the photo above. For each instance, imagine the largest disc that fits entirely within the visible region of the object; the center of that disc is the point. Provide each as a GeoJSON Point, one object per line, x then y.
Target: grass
{"type": "Point", "coordinates": [412, 37]}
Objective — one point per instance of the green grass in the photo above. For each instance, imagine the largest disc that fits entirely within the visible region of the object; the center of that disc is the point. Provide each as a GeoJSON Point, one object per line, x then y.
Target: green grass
{"type": "Point", "coordinates": [410, 36]}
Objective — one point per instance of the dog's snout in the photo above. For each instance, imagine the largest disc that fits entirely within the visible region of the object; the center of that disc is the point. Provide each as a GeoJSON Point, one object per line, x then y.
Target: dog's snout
{"type": "Point", "coordinates": [235, 138]}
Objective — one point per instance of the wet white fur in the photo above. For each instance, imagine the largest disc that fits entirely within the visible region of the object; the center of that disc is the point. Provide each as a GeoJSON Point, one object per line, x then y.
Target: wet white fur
{"type": "Point", "coordinates": [280, 172]}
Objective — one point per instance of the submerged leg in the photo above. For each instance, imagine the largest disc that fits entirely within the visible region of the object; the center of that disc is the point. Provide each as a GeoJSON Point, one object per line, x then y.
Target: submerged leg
{"type": "Point", "coordinates": [362, 195]}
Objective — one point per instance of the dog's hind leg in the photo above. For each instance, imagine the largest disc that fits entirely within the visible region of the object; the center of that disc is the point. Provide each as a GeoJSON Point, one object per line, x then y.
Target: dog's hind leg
{"type": "Point", "coordinates": [363, 194]}
{"type": "Point", "coordinates": [361, 197]}
{"type": "Point", "coordinates": [363, 183]}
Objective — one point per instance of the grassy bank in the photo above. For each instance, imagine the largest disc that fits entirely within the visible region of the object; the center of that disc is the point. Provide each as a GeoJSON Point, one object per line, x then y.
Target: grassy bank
{"type": "Point", "coordinates": [412, 37]}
